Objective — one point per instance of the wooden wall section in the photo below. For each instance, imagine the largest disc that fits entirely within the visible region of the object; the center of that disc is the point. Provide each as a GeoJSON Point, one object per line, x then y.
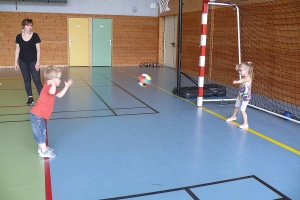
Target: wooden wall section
{"type": "Point", "coordinates": [191, 29]}
{"type": "Point", "coordinates": [135, 38]}
{"type": "Point", "coordinates": [191, 42]}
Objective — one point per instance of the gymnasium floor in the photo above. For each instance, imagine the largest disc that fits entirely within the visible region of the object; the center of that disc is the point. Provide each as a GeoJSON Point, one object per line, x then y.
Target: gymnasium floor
{"type": "Point", "coordinates": [117, 140]}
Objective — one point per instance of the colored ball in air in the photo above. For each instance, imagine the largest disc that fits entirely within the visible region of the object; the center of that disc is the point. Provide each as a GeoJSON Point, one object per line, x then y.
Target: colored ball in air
{"type": "Point", "coordinates": [144, 80]}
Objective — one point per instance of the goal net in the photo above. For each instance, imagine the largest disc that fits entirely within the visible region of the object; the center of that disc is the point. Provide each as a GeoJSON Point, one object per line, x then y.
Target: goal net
{"type": "Point", "coordinates": [163, 6]}
{"type": "Point", "coordinates": [270, 39]}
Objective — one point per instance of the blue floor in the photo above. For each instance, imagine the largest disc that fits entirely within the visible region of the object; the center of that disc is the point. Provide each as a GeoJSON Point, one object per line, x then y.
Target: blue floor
{"type": "Point", "coordinates": [117, 140]}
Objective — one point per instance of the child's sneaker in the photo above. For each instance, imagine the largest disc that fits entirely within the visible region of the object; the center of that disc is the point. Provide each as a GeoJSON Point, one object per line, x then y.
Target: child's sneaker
{"type": "Point", "coordinates": [47, 154]}
{"type": "Point", "coordinates": [48, 149]}
{"type": "Point", "coordinates": [244, 126]}
{"type": "Point", "coordinates": [230, 119]}
{"type": "Point", "coordinates": [30, 101]}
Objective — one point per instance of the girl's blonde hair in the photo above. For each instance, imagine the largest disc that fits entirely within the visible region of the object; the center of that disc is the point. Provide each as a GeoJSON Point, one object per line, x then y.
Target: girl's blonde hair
{"type": "Point", "coordinates": [249, 67]}
{"type": "Point", "coordinates": [51, 72]}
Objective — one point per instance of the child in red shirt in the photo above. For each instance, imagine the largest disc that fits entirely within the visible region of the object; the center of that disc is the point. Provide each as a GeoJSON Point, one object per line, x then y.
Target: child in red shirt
{"type": "Point", "coordinates": [43, 108]}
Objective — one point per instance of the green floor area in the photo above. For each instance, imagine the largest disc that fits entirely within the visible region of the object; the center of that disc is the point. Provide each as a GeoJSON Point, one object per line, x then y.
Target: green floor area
{"type": "Point", "coordinates": [21, 169]}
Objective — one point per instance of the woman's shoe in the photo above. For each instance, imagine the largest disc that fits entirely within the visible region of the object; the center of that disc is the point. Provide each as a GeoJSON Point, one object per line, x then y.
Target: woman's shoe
{"type": "Point", "coordinates": [30, 101]}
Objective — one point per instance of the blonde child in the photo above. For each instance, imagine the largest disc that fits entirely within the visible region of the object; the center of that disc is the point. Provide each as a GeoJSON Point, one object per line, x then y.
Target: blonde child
{"type": "Point", "coordinates": [43, 108]}
{"type": "Point", "coordinates": [245, 70]}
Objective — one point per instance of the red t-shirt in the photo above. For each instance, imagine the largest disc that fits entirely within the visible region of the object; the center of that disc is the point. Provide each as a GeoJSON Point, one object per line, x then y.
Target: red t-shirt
{"type": "Point", "coordinates": [45, 104]}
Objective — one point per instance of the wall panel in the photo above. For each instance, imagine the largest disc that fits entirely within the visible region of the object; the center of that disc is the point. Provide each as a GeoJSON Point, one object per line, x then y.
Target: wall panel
{"type": "Point", "coordinates": [135, 38]}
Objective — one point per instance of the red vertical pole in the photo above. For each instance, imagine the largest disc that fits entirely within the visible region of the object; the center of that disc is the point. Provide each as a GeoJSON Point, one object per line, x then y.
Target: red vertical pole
{"type": "Point", "coordinates": [202, 52]}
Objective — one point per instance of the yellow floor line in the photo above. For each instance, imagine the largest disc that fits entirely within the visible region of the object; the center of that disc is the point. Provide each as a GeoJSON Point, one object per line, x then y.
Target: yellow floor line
{"type": "Point", "coordinates": [258, 134]}
{"type": "Point", "coordinates": [222, 117]}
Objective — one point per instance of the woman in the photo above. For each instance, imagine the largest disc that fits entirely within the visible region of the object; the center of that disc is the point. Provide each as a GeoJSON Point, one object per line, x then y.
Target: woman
{"type": "Point", "coordinates": [27, 57]}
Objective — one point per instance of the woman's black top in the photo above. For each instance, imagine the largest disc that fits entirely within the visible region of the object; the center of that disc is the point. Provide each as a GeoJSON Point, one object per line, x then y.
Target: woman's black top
{"type": "Point", "coordinates": [28, 52]}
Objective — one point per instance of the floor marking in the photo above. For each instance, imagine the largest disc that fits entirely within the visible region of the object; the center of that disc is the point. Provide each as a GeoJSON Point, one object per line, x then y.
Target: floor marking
{"type": "Point", "coordinates": [222, 117]}
{"type": "Point", "coordinates": [130, 94]}
{"type": "Point", "coordinates": [192, 195]}
{"type": "Point", "coordinates": [160, 88]}
{"type": "Point", "coordinates": [98, 95]}
{"type": "Point", "coordinates": [11, 78]}
{"type": "Point", "coordinates": [48, 186]}
{"type": "Point", "coordinates": [258, 134]}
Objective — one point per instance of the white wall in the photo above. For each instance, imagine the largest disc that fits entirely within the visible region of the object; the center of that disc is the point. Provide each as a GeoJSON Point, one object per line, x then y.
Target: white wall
{"type": "Point", "coordinates": [109, 7]}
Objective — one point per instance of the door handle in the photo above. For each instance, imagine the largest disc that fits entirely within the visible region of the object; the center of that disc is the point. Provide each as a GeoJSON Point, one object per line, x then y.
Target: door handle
{"type": "Point", "coordinates": [173, 44]}
{"type": "Point", "coordinates": [110, 42]}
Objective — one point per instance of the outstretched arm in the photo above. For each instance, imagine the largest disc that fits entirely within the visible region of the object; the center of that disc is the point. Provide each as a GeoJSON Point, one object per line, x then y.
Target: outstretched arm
{"type": "Point", "coordinates": [63, 91]}
{"type": "Point", "coordinates": [242, 80]}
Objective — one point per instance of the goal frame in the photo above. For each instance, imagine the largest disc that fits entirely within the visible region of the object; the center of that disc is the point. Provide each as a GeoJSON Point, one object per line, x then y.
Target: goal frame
{"type": "Point", "coordinates": [205, 7]}
{"type": "Point", "coordinates": [200, 100]}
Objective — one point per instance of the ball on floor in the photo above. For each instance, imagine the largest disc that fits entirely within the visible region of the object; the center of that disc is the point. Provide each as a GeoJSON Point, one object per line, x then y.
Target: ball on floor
{"type": "Point", "coordinates": [144, 80]}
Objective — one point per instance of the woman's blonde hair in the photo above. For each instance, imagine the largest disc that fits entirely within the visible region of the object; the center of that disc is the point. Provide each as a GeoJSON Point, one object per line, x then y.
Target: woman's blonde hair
{"type": "Point", "coordinates": [249, 67]}
{"type": "Point", "coordinates": [51, 72]}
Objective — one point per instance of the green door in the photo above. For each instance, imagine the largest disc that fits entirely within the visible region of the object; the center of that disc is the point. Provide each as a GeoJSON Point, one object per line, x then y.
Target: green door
{"type": "Point", "coordinates": [101, 45]}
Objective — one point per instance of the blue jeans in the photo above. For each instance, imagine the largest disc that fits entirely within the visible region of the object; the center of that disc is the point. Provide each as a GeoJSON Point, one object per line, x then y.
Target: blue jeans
{"type": "Point", "coordinates": [28, 70]}
{"type": "Point", "coordinates": [39, 128]}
